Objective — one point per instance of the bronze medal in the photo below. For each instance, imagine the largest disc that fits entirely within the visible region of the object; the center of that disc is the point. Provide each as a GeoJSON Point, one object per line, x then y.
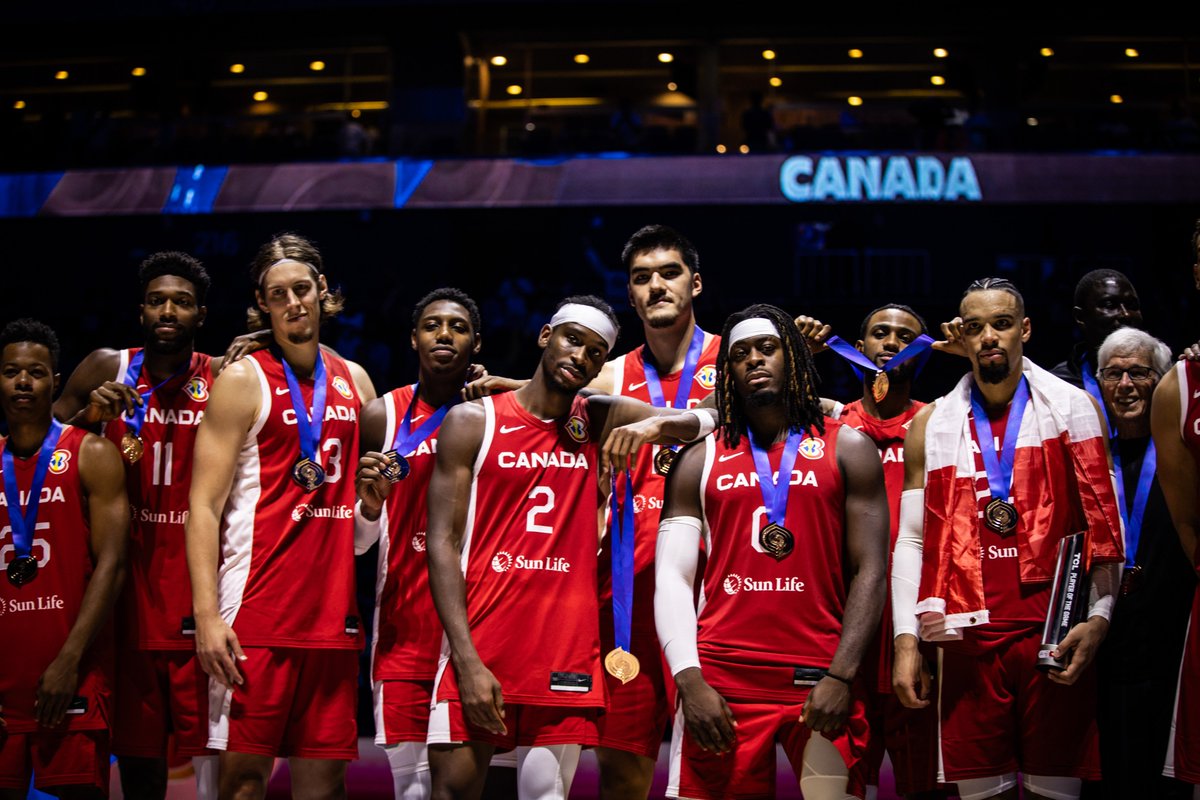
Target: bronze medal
{"type": "Point", "coordinates": [622, 665]}
{"type": "Point", "coordinates": [777, 541]}
{"type": "Point", "coordinates": [879, 388]}
{"type": "Point", "coordinates": [132, 447]}
{"type": "Point", "coordinates": [1131, 580]}
{"type": "Point", "coordinates": [308, 474]}
{"type": "Point", "coordinates": [664, 460]}
{"type": "Point", "coordinates": [23, 569]}
{"type": "Point", "coordinates": [1000, 516]}
{"type": "Point", "coordinates": [397, 468]}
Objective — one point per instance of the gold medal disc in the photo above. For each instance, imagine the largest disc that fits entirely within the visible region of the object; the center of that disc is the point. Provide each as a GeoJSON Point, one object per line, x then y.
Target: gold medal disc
{"type": "Point", "coordinates": [879, 388]}
{"type": "Point", "coordinates": [1000, 517]}
{"type": "Point", "coordinates": [622, 665]}
{"type": "Point", "coordinates": [664, 460]}
{"type": "Point", "coordinates": [132, 447]}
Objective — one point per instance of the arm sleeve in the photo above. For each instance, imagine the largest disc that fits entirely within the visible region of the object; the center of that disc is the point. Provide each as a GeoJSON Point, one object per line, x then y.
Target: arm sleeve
{"type": "Point", "coordinates": [906, 562]}
{"type": "Point", "coordinates": [675, 561]}
{"type": "Point", "coordinates": [366, 532]}
{"type": "Point", "coordinates": [1102, 595]}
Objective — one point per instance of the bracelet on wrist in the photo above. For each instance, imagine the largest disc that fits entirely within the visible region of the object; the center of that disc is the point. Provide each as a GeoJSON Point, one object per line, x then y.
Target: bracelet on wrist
{"type": "Point", "coordinates": [847, 681]}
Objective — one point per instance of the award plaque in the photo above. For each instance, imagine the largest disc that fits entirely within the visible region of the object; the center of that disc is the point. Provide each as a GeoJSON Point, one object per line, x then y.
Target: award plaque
{"type": "Point", "coordinates": [1068, 601]}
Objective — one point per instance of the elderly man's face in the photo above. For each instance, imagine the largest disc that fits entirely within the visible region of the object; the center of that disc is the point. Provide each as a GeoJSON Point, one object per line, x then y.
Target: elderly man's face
{"type": "Point", "coordinates": [1127, 383]}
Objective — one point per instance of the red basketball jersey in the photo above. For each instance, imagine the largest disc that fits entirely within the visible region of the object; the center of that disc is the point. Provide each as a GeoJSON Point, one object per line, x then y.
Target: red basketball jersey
{"type": "Point", "coordinates": [529, 556]}
{"type": "Point", "coordinates": [759, 619]}
{"type": "Point", "coordinates": [629, 380]}
{"type": "Point", "coordinates": [408, 635]}
{"type": "Point", "coordinates": [158, 592]}
{"type": "Point", "coordinates": [888, 435]}
{"type": "Point", "coordinates": [1189, 406]}
{"type": "Point", "coordinates": [36, 618]}
{"type": "Point", "coordinates": [287, 556]}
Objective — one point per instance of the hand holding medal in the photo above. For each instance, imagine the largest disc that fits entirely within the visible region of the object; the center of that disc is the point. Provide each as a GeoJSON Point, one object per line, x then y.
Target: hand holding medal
{"type": "Point", "coordinates": [136, 403]}
{"type": "Point", "coordinates": [23, 522]}
{"type": "Point", "coordinates": [407, 439]}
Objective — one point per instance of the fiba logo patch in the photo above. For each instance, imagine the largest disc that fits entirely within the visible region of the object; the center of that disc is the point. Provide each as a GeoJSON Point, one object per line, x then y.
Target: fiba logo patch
{"type": "Point", "coordinates": [812, 449]}
{"type": "Point", "coordinates": [197, 389]}
{"type": "Point", "coordinates": [60, 461]}
{"type": "Point", "coordinates": [418, 541]}
{"type": "Point", "coordinates": [733, 583]}
{"type": "Point", "coordinates": [342, 388]}
{"type": "Point", "coordinates": [299, 511]}
{"type": "Point", "coordinates": [706, 376]}
{"type": "Point", "coordinates": [577, 429]}
{"type": "Point", "coordinates": [502, 561]}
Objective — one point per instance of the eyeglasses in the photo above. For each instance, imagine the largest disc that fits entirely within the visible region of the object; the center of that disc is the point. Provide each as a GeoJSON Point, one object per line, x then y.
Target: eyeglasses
{"type": "Point", "coordinates": [1136, 374]}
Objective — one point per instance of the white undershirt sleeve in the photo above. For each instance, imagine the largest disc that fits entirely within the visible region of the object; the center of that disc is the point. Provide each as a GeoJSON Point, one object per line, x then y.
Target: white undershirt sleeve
{"type": "Point", "coordinates": [906, 562]}
{"type": "Point", "coordinates": [675, 561]}
{"type": "Point", "coordinates": [366, 532]}
{"type": "Point", "coordinates": [1102, 595]}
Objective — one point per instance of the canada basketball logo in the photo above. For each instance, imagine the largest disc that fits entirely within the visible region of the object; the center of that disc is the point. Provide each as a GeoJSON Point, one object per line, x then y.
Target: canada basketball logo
{"type": "Point", "coordinates": [733, 583]}
{"type": "Point", "coordinates": [812, 449]}
{"type": "Point", "coordinates": [706, 376]}
{"type": "Point", "coordinates": [60, 461]}
{"type": "Point", "coordinates": [502, 561]}
{"type": "Point", "coordinates": [577, 429]}
{"type": "Point", "coordinates": [197, 389]}
{"type": "Point", "coordinates": [418, 541]}
{"type": "Point", "coordinates": [343, 388]}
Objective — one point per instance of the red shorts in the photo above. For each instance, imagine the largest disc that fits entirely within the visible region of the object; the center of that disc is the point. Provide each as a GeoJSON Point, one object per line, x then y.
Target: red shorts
{"type": "Point", "coordinates": [910, 737]}
{"type": "Point", "coordinates": [75, 758]}
{"type": "Point", "coordinates": [638, 711]}
{"type": "Point", "coordinates": [528, 726]}
{"type": "Point", "coordinates": [160, 692]}
{"type": "Point", "coordinates": [293, 703]}
{"type": "Point", "coordinates": [402, 711]}
{"type": "Point", "coordinates": [1183, 749]}
{"type": "Point", "coordinates": [1000, 714]}
{"type": "Point", "coordinates": [748, 770]}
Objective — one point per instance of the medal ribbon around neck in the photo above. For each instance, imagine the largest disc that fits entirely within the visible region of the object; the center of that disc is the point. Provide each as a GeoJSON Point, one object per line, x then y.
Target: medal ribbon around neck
{"type": "Point", "coordinates": [25, 523]}
{"type": "Point", "coordinates": [1093, 388]}
{"type": "Point", "coordinates": [1133, 516]}
{"type": "Point", "coordinates": [135, 420]}
{"type": "Point", "coordinates": [622, 562]}
{"type": "Point", "coordinates": [308, 426]}
{"type": "Point", "coordinates": [999, 469]}
{"type": "Point", "coordinates": [683, 391]}
{"type": "Point", "coordinates": [406, 439]}
{"type": "Point", "coordinates": [775, 491]}
{"type": "Point", "coordinates": [919, 348]}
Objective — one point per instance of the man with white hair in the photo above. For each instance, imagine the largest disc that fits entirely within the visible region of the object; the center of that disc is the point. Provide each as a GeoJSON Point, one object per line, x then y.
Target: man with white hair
{"type": "Point", "coordinates": [1137, 694]}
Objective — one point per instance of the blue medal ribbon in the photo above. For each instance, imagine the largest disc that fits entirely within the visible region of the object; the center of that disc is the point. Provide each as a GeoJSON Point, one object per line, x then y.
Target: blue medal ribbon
{"type": "Point", "coordinates": [1093, 388]}
{"type": "Point", "coordinates": [999, 469]}
{"type": "Point", "coordinates": [308, 426]}
{"type": "Point", "coordinates": [24, 524]}
{"type": "Point", "coordinates": [622, 563]}
{"type": "Point", "coordinates": [683, 391]}
{"type": "Point", "coordinates": [919, 348]}
{"type": "Point", "coordinates": [775, 490]}
{"type": "Point", "coordinates": [135, 420]}
{"type": "Point", "coordinates": [1133, 516]}
{"type": "Point", "coordinates": [406, 439]}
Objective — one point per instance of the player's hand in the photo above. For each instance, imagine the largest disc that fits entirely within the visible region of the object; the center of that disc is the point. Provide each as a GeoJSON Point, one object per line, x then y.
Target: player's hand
{"type": "Point", "coordinates": [1078, 649]}
{"type": "Point", "coordinates": [218, 649]}
{"type": "Point", "coordinates": [952, 338]}
{"type": "Point", "coordinates": [370, 484]}
{"type": "Point", "coordinates": [476, 372]}
{"type": "Point", "coordinates": [108, 401]}
{"type": "Point", "coordinates": [709, 721]}
{"type": "Point", "coordinates": [827, 706]}
{"type": "Point", "coordinates": [621, 448]}
{"type": "Point", "coordinates": [814, 332]}
{"type": "Point", "coordinates": [911, 680]}
{"type": "Point", "coordinates": [486, 385]}
{"type": "Point", "coordinates": [1191, 353]}
{"type": "Point", "coordinates": [482, 698]}
{"type": "Point", "coordinates": [55, 690]}
{"type": "Point", "coordinates": [244, 345]}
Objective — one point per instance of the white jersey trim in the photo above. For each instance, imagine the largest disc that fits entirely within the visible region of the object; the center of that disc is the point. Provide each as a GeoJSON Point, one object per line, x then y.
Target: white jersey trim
{"type": "Point", "coordinates": [1184, 398]}
{"type": "Point", "coordinates": [385, 544]}
{"type": "Point", "coordinates": [618, 366]}
{"type": "Point", "coordinates": [1169, 763]}
{"type": "Point", "coordinates": [710, 455]}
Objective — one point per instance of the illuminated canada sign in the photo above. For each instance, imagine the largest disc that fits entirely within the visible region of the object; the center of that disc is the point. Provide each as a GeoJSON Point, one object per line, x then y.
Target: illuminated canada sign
{"type": "Point", "coordinates": [805, 179]}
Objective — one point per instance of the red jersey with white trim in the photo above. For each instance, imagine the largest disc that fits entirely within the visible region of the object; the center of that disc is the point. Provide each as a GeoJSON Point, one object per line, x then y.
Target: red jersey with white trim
{"type": "Point", "coordinates": [629, 378]}
{"type": "Point", "coordinates": [408, 635]}
{"type": "Point", "coordinates": [158, 591]}
{"type": "Point", "coordinates": [1189, 406]}
{"type": "Point", "coordinates": [287, 556]}
{"type": "Point", "coordinates": [35, 619]}
{"type": "Point", "coordinates": [758, 618]}
{"type": "Point", "coordinates": [888, 435]}
{"type": "Point", "coordinates": [529, 556]}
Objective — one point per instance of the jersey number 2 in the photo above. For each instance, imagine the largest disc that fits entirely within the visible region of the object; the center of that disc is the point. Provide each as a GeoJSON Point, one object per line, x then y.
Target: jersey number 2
{"type": "Point", "coordinates": [531, 526]}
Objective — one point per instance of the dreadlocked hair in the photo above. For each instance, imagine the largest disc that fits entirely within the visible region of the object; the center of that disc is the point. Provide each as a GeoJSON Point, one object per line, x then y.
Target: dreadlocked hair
{"type": "Point", "coordinates": [800, 396]}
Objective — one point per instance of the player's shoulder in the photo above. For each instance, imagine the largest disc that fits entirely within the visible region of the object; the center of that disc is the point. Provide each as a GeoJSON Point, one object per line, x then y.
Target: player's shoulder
{"type": "Point", "coordinates": [100, 361]}
{"type": "Point", "coordinates": [96, 453]}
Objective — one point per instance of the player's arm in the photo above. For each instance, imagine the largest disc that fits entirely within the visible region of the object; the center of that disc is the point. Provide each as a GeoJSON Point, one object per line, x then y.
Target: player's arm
{"type": "Point", "coordinates": [627, 424]}
{"type": "Point", "coordinates": [362, 382]}
{"type": "Point", "coordinates": [866, 532]}
{"type": "Point", "coordinates": [1177, 473]}
{"type": "Point", "coordinates": [459, 440]}
{"type": "Point", "coordinates": [709, 721]}
{"type": "Point", "coordinates": [92, 396]}
{"type": "Point", "coordinates": [369, 482]}
{"type": "Point", "coordinates": [232, 408]}
{"type": "Point", "coordinates": [103, 477]}
{"type": "Point", "coordinates": [910, 675]}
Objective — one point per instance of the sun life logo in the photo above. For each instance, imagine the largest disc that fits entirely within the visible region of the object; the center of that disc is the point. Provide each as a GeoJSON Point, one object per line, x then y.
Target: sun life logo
{"type": "Point", "coordinates": [60, 461]}
{"type": "Point", "coordinates": [502, 561]}
{"type": "Point", "coordinates": [706, 376]}
{"type": "Point", "coordinates": [343, 388]}
{"type": "Point", "coordinates": [418, 541]}
{"type": "Point", "coordinates": [299, 511]}
{"type": "Point", "coordinates": [639, 503]}
{"type": "Point", "coordinates": [812, 449]}
{"type": "Point", "coordinates": [733, 583]}
{"type": "Point", "coordinates": [197, 389]}
{"type": "Point", "coordinates": [577, 429]}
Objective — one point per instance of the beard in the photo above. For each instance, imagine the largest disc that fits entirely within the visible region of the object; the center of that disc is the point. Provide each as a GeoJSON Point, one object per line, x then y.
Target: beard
{"type": "Point", "coordinates": [664, 319]}
{"type": "Point", "coordinates": [994, 373]}
{"type": "Point", "coordinates": [301, 337]}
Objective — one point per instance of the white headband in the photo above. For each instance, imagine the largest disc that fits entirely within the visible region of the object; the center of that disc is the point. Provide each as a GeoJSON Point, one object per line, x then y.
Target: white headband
{"type": "Point", "coordinates": [755, 326]}
{"type": "Point", "coordinates": [589, 317]}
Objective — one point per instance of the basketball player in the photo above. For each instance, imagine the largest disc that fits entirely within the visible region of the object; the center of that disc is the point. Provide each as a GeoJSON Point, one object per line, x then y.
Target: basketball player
{"type": "Point", "coordinates": [270, 540]}
{"type": "Point", "coordinates": [514, 498]}
{"type": "Point", "coordinates": [996, 473]}
{"type": "Point", "coordinates": [1104, 301]}
{"type": "Point", "coordinates": [792, 511]}
{"type": "Point", "coordinates": [65, 529]}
